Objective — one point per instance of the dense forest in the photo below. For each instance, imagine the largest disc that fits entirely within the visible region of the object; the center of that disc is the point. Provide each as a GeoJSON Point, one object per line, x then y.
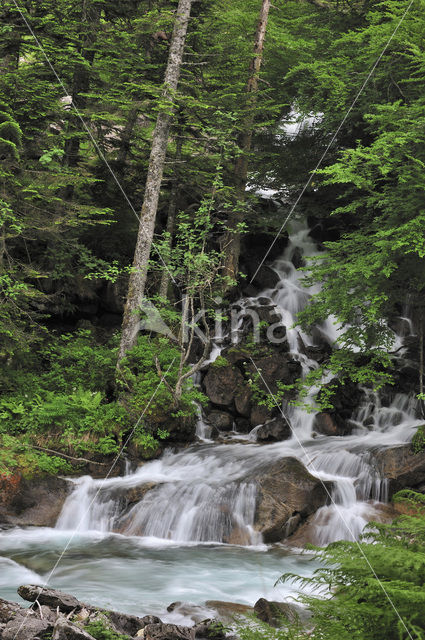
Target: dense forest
{"type": "Point", "coordinates": [156, 159]}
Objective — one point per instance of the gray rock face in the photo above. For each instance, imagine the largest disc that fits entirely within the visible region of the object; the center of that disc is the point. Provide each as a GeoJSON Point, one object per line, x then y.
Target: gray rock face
{"type": "Point", "coordinates": [220, 420]}
{"type": "Point", "coordinates": [401, 466]}
{"type": "Point", "coordinates": [259, 415]}
{"type": "Point", "coordinates": [65, 630]}
{"type": "Point", "coordinates": [167, 632]}
{"type": "Point", "coordinates": [49, 597]}
{"type": "Point", "coordinates": [222, 384]}
{"type": "Point", "coordinates": [36, 502]}
{"type": "Point", "coordinates": [274, 430]}
{"type": "Point", "coordinates": [128, 624]}
{"type": "Point", "coordinates": [277, 613]}
{"type": "Point", "coordinates": [287, 494]}
{"type": "Point", "coordinates": [331, 425]}
{"type": "Point", "coordinates": [26, 628]}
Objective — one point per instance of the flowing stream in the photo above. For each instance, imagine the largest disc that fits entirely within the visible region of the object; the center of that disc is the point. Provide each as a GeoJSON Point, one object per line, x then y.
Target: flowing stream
{"type": "Point", "coordinates": [177, 541]}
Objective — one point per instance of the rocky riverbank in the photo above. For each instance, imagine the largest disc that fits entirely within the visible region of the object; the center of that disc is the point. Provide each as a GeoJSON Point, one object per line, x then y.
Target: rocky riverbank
{"type": "Point", "coordinates": [54, 615]}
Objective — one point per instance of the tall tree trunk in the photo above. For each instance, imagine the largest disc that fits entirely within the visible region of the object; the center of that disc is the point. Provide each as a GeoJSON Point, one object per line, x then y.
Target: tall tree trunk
{"type": "Point", "coordinates": [136, 287]}
{"type": "Point", "coordinates": [232, 239]}
{"type": "Point", "coordinates": [90, 16]}
{"type": "Point", "coordinates": [171, 219]}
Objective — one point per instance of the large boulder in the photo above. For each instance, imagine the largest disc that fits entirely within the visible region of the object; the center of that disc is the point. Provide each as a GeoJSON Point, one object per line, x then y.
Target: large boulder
{"type": "Point", "coordinates": [222, 383]}
{"type": "Point", "coordinates": [274, 367]}
{"type": "Point", "coordinates": [330, 424]}
{"type": "Point", "coordinates": [50, 597]}
{"type": "Point", "coordinates": [221, 420]}
{"type": "Point", "coordinates": [36, 502]}
{"type": "Point", "coordinates": [274, 430]}
{"type": "Point", "coordinates": [401, 467]}
{"type": "Point", "coordinates": [260, 414]}
{"type": "Point", "coordinates": [277, 613]}
{"type": "Point", "coordinates": [287, 495]}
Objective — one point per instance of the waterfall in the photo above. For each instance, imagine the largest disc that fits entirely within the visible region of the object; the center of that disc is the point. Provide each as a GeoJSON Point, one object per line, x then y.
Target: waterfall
{"type": "Point", "coordinates": [206, 493]}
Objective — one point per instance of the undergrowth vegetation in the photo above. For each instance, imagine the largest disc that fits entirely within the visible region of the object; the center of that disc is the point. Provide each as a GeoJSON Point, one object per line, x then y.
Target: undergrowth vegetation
{"type": "Point", "coordinates": [67, 402]}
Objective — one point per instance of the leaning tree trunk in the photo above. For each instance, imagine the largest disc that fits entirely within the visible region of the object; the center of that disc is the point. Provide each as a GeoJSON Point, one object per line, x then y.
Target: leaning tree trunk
{"type": "Point", "coordinates": [136, 287]}
{"type": "Point", "coordinates": [232, 239]}
{"type": "Point", "coordinates": [171, 219]}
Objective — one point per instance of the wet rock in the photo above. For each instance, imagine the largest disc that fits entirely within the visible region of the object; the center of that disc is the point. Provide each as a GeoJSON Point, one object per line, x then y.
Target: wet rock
{"type": "Point", "coordinates": [243, 401]}
{"type": "Point", "coordinates": [266, 313]}
{"type": "Point", "coordinates": [345, 398]}
{"type": "Point", "coordinates": [220, 420]}
{"type": "Point", "coordinates": [297, 258]}
{"type": "Point", "coordinates": [274, 430]}
{"type": "Point", "coordinates": [287, 495]}
{"type": "Point", "coordinates": [266, 278]}
{"type": "Point", "coordinates": [229, 611]}
{"type": "Point", "coordinates": [243, 425]}
{"type": "Point", "coordinates": [318, 353]}
{"type": "Point", "coordinates": [66, 630]}
{"type": "Point", "coordinates": [27, 628]}
{"type": "Point", "coordinates": [256, 245]}
{"type": "Point", "coordinates": [401, 467]}
{"type": "Point", "coordinates": [49, 597]}
{"type": "Point", "coordinates": [332, 425]}
{"type": "Point", "coordinates": [274, 367]}
{"type": "Point", "coordinates": [35, 502]}
{"type": "Point", "coordinates": [136, 494]}
{"type": "Point", "coordinates": [222, 384]}
{"type": "Point", "coordinates": [259, 415]}
{"type": "Point", "coordinates": [167, 632]}
{"type": "Point", "coordinates": [277, 613]}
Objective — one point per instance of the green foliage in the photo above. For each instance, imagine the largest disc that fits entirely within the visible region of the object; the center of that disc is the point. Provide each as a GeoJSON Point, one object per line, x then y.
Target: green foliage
{"type": "Point", "coordinates": [140, 377]}
{"type": "Point", "coordinates": [100, 631]}
{"type": "Point", "coordinates": [376, 587]}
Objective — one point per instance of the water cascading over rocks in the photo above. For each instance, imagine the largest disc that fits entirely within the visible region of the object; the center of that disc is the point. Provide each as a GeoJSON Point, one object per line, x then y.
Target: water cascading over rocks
{"type": "Point", "coordinates": [245, 493]}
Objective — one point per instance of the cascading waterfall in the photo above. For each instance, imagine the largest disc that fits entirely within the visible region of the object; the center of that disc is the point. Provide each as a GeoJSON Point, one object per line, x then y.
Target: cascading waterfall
{"type": "Point", "coordinates": [193, 513]}
{"type": "Point", "coordinates": [202, 495]}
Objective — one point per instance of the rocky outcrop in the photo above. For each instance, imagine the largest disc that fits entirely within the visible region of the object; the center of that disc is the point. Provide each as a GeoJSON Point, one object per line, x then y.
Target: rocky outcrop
{"type": "Point", "coordinates": [287, 495]}
{"type": "Point", "coordinates": [274, 430]}
{"type": "Point", "coordinates": [35, 501]}
{"type": "Point", "coordinates": [332, 425]}
{"type": "Point", "coordinates": [61, 616]}
{"type": "Point", "coordinates": [235, 387]}
{"type": "Point", "coordinates": [49, 597]}
{"type": "Point", "coordinates": [401, 467]}
{"type": "Point", "coordinates": [222, 383]}
{"type": "Point", "coordinates": [221, 420]}
{"type": "Point", "coordinates": [277, 614]}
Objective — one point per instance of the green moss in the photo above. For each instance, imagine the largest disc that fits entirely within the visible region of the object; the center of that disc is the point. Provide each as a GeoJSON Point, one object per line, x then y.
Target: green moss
{"type": "Point", "coordinates": [221, 361]}
{"type": "Point", "coordinates": [418, 440]}
{"type": "Point", "coordinates": [100, 631]}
